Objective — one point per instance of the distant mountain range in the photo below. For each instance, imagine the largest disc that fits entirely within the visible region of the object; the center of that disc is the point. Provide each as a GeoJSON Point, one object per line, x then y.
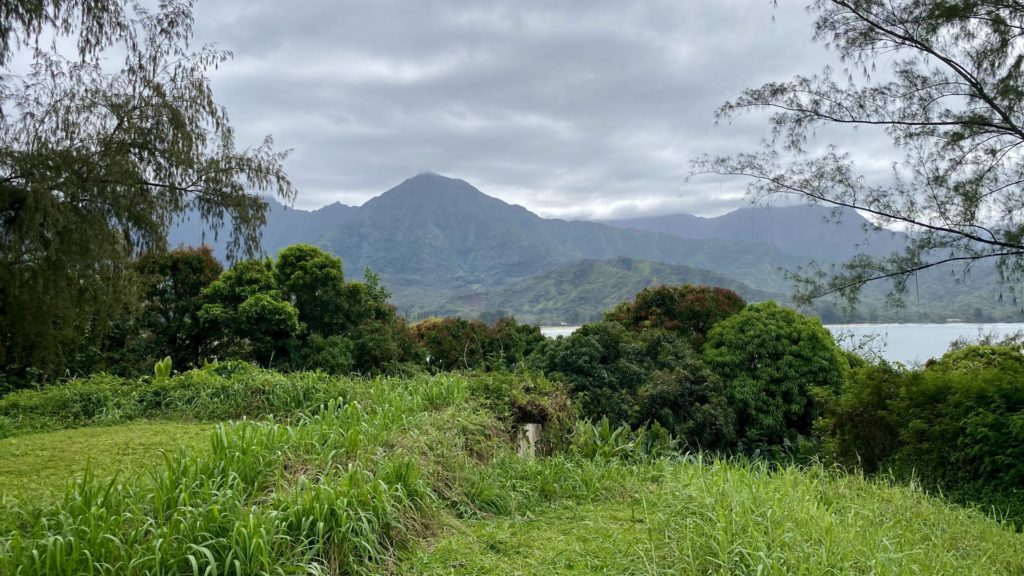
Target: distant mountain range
{"type": "Point", "coordinates": [443, 247]}
{"type": "Point", "coordinates": [804, 230]}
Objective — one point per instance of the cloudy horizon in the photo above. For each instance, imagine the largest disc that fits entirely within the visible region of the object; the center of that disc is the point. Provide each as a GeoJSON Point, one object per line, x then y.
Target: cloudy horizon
{"type": "Point", "coordinates": [575, 109]}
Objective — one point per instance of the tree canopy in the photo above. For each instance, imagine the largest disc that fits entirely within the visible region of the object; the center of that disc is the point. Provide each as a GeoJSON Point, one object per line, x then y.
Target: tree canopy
{"type": "Point", "coordinates": [948, 96]}
{"type": "Point", "coordinates": [95, 165]}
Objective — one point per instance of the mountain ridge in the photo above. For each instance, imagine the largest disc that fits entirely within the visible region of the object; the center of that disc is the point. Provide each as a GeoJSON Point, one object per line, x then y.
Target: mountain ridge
{"type": "Point", "coordinates": [433, 239]}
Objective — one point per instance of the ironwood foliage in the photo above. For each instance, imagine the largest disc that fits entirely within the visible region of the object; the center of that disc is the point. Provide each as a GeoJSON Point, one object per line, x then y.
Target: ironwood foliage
{"type": "Point", "coordinates": [96, 165]}
{"type": "Point", "coordinates": [942, 79]}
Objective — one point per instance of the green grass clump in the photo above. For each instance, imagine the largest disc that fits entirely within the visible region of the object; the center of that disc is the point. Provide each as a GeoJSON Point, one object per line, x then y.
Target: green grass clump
{"type": "Point", "coordinates": [219, 392]}
{"type": "Point", "coordinates": [336, 491]}
{"type": "Point", "coordinates": [725, 518]}
{"type": "Point", "coordinates": [35, 465]}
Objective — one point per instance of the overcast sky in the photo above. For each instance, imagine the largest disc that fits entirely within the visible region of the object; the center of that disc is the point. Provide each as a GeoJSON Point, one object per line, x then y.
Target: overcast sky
{"type": "Point", "coordinates": [573, 109]}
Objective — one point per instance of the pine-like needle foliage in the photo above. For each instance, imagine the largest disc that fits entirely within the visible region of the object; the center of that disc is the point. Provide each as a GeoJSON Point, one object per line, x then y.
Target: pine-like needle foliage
{"type": "Point", "coordinates": [98, 158]}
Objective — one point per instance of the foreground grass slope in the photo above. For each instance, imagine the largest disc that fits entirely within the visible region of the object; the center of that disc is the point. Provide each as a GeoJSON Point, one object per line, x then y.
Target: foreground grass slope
{"type": "Point", "coordinates": [417, 476]}
{"type": "Point", "coordinates": [723, 518]}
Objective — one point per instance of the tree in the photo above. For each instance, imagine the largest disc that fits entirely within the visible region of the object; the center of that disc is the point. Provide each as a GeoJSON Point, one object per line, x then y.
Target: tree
{"type": "Point", "coordinates": [689, 310]}
{"type": "Point", "coordinates": [774, 362]}
{"type": "Point", "coordinates": [243, 315]}
{"type": "Point", "coordinates": [95, 166]}
{"type": "Point", "coordinates": [313, 281]}
{"type": "Point", "coordinates": [172, 284]}
{"type": "Point", "coordinates": [950, 100]}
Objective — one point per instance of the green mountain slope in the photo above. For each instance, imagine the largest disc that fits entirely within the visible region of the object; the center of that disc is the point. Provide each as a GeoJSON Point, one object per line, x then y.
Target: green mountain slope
{"type": "Point", "coordinates": [581, 291]}
{"type": "Point", "coordinates": [441, 233]}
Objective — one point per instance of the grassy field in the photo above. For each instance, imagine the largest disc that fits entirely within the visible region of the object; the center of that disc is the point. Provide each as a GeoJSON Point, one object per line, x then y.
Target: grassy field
{"type": "Point", "coordinates": [37, 466]}
{"type": "Point", "coordinates": [417, 476]}
{"type": "Point", "coordinates": [733, 519]}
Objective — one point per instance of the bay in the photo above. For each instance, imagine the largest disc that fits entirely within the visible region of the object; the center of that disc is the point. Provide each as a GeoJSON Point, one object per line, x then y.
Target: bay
{"type": "Point", "coordinates": [914, 344]}
{"type": "Point", "coordinates": [911, 344]}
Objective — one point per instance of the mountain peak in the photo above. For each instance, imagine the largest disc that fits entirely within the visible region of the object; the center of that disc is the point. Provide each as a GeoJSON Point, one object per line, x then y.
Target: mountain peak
{"type": "Point", "coordinates": [430, 190]}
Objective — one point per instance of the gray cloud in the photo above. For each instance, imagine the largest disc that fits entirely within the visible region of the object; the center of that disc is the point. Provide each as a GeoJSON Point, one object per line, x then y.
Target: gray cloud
{"type": "Point", "coordinates": [574, 108]}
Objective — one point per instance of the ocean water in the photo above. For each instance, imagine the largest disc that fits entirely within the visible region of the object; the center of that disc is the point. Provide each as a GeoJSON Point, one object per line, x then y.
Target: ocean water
{"type": "Point", "coordinates": [910, 344]}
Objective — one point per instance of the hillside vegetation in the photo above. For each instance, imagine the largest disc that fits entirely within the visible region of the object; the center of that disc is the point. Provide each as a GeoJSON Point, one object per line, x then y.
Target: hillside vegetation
{"type": "Point", "coordinates": [580, 292]}
{"type": "Point", "coordinates": [418, 476]}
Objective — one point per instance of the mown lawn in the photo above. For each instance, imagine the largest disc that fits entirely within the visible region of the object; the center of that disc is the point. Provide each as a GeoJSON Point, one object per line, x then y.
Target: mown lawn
{"type": "Point", "coordinates": [38, 466]}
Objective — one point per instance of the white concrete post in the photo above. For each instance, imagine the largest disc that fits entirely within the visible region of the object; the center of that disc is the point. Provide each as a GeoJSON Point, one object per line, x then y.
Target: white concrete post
{"type": "Point", "coordinates": [529, 436]}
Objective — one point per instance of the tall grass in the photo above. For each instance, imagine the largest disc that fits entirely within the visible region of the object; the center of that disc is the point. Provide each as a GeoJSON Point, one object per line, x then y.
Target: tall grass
{"type": "Point", "coordinates": [335, 492]}
{"type": "Point", "coordinates": [700, 517]}
{"type": "Point", "coordinates": [345, 484]}
{"type": "Point", "coordinates": [227, 391]}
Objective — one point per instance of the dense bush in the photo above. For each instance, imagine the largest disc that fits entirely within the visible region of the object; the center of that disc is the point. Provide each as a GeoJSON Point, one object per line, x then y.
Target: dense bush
{"type": "Point", "coordinates": [383, 346]}
{"type": "Point", "coordinates": [517, 398]}
{"type": "Point", "coordinates": [860, 429]}
{"type": "Point", "coordinates": [957, 425]}
{"type": "Point", "coordinates": [455, 343]}
{"type": "Point", "coordinates": [638, 379]}
{"type": "Point", "coordinates": [778, 367]}
{"type": "Point", "coordinates": [689, 310]}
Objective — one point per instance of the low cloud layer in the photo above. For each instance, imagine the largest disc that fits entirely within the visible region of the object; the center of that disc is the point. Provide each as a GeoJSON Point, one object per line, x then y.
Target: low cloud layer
{"type": "Point", "coordinates": [573, 109]}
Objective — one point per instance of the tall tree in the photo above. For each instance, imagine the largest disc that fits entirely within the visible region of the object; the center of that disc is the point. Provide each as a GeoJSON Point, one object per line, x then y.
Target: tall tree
{"type": "Point", "coordinates": [949, 97]}
{"type": "Point", "coordinates": [95, 166]}
{"type": "Point", "coordinates": [171, 287]}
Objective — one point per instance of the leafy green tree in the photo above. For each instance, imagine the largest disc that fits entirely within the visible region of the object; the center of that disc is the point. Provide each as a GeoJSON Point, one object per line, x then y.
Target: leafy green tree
{"type": "Point", "coordinates": [511, 342]}
{"type": "Point", "coordinates": [172, 284]}
{"type": "Point", "coordinates": [300, 313]}
{"type": "Point", "coordinates": [332, 354]}
{"type": "Point", "coordinates": [236, 303]}
{"type": "Point", "coordinates": [313, 281]}
{"type": "Point", "coordinates": [776, 365]}
{"type": "Point", "coordinates": [949, 98]}
{"type": "Point", "coordinates": [382, 346]}
{"type": "Point", "coordinates": [453, 343]}
{"type": "Point", "coordinates": [605, 366]}
{"type": "Point", "coordinates": [688, 309]}
{"type": "Point", "coordinates": [96, 165]}
{"type": "Point", "coordinates": [268, 325]}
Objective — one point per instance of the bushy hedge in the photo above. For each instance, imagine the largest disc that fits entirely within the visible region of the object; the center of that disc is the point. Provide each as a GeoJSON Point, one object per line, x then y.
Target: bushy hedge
{"type": "Point", "coordinates": [638, 379]}
{"type": "Point", "coordinates": [957, 425]}
{"type": "Point", "coordinates": [459, 344]}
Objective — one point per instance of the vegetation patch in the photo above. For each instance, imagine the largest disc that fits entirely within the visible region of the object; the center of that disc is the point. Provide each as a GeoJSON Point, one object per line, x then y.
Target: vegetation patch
{"type": "Point", "coordinates": [731, 518]}
{"type": "Point", "coordinates": [37, 466]}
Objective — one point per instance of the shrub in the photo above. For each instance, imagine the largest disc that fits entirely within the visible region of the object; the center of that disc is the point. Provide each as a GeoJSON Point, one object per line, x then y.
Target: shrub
{"type": "Point", "coordinates": [521, 397]}
{"type": "Point", "coordinates": [455, 343]}
{"type": "Point", "coordinates": [688, 402]}
{"type": "Point", "coordinates": [689, 310]}
{"type": "Point", "coordinates": [382, 346]}
{"type": "Point", "coordinates": [646, 378]}
{"type": "Point", "coordinates": [774, 362]}
{"type": "Point", "coordinates": [333, 354]}
{"type": "Point", "coordinates": [957, 426]}
{"type": "Point", "coordinates": [964, 429]}
{"type": "Point", "coordinates": [860, 429]}
{"type": "Point", "coordinates": [970, 358]}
